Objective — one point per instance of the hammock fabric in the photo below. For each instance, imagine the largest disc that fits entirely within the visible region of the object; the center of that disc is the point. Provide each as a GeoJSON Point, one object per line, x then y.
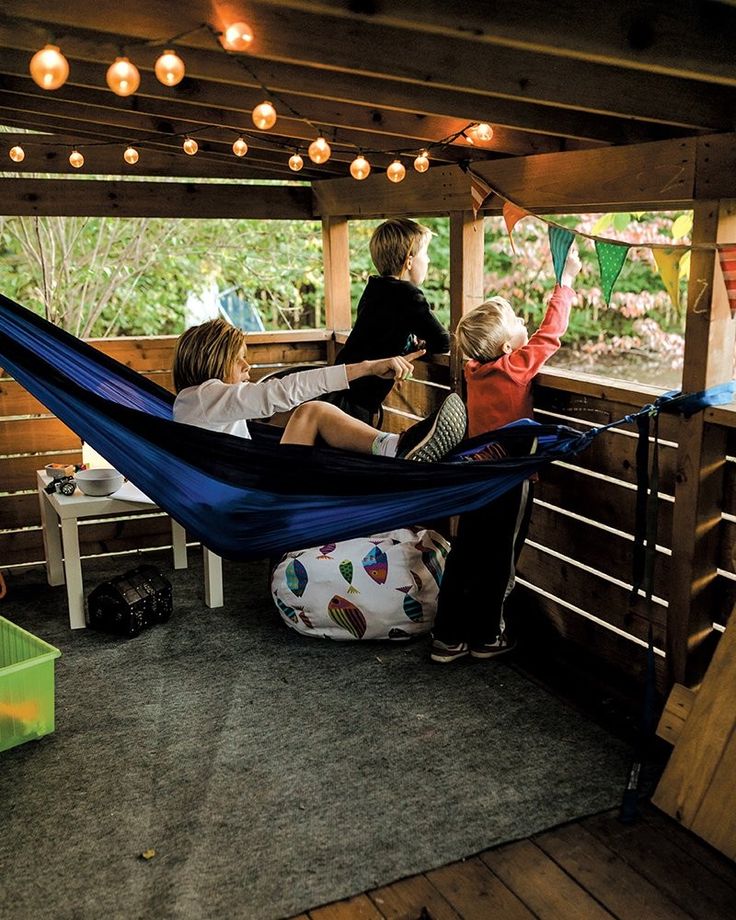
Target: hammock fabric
{"type": "Point", "coordinates": [248, 499]}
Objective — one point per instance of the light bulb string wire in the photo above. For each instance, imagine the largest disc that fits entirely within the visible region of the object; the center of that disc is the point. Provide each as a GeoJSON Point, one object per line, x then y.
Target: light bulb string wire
{"type": "Point", "coordinates": [255, 140]}
{"type": "Point", "coordinates": [269, 93]}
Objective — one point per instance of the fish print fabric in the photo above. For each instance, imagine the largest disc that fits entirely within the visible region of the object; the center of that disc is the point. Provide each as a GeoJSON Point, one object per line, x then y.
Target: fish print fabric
{"type": "Point", "coordinates": [379, 587]}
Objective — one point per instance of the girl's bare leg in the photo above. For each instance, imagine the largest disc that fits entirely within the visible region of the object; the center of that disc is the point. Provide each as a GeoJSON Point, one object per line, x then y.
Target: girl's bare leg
{"type": "Point", "coordinates": [335, 427]}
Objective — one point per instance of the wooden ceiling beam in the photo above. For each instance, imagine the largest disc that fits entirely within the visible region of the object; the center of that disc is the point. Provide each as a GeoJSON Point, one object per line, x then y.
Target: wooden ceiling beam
{"type": "Point", "coordinates": [213, 76]}
{"type": "Point", "coordinates": [660, 175]}
{"type": "Point", "coordinates": [209, 152]}
{"type": "Point", "coordinates": [92, 198]}
{"type": "Point", "coordinates": [682, 38]}
{"type": "Point", "coordinates": [159, 116]}
{"type": "Point", "coordinates": [374, 50]}
{"type": "Point", "coordinates": [50, 155]}
{"type": "Point", "coordinates": [225, 107]}
{"type": "Point", "coordinates": [127, 128]}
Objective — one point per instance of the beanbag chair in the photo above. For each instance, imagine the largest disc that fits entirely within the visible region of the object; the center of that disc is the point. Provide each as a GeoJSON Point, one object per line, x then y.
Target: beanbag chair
{"type": "Point", "coordinates": [379, 587]}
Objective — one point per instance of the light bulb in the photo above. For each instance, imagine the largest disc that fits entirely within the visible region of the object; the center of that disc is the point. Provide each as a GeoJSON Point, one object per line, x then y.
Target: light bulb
{"type": "Point", "coordinates": [237, 37]}
{"type": "Point", "coordinates": [17, 154]}
{"type": "Point", "coordinates": [295, 162]}
{"type": "Point", "coordinates": [169, 68]}
{"type": "Point", "coordinates": [190, 146]}
{"type": "Point", "coordinates": [483, 131]}
{"type": "Point", "coordinates": [76, 159]}
{"type": "Point", "coordinates": [131, 156]}
{"type": "Point", "coordinates": [264, 116]}
{"type": "Point", "coordinates": [360, 167]}
{"type": "Point", "coordinates": [319, 151]}
{"type": "Point", "coordinates": [240, 148]}
{"type": "Point", "coordinates": [396, 171]}
{"type": "Point", "coordinates": [49, 68]}
{"type": "Point", "coordinates": [123, 77]}
{"type": "Point", "coordinates": [421, 164]}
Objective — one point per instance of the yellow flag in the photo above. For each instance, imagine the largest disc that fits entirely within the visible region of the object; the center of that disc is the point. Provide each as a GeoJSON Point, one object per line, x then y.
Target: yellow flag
{"type": "Point", "coordinates": [668, 263]}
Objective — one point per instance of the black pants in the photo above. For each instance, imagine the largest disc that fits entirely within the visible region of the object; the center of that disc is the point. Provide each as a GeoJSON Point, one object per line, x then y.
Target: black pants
{"type": "Point", "coordinates": [481, 567]}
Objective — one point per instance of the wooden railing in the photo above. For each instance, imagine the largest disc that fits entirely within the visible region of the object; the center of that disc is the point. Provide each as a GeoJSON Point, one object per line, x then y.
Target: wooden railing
{"type": "Point", "coordinates": [575, 571]}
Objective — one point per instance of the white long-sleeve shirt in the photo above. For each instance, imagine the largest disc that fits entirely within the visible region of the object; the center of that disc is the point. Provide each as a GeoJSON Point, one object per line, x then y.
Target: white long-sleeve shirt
{"type": "Point", "coordinates": [225, 407]}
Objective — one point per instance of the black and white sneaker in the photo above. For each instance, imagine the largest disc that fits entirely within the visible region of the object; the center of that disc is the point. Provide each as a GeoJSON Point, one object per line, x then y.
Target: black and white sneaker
{"type": "Point", "coordinates": [435, 436]}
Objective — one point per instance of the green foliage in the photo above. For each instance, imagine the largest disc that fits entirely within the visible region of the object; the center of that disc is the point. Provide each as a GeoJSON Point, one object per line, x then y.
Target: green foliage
{"type": "Point", "coordinates": [105, 276]}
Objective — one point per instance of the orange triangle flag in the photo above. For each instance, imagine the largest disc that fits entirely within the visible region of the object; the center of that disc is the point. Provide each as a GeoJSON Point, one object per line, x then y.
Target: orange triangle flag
{"type": "Point", "coordinates": [512, 214]}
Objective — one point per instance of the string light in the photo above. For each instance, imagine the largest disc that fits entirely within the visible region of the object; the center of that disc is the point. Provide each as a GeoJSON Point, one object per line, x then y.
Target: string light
{"type": "Point", "coordinates": [49, 68]}
{"type": "Point", "coordinates": [237, 37]}
{"type": "Point", "coordinates": [360, 167]}
{"type": "Point", "coordinates": [319, 151]}
{"type": "Point", "coordinates": [396, 171]}
{"type": "Point", "coordinates": [483, 131]}
{"type": "Point", "coordinates": [123, 77]}
{"type": "Point", "coordinates": [264, 116]}
{"type": "Point", "coordinates": [17, 154]}
{"type": "Point", "coordinates": [421, 164]}
{"type": "Point", "coordinates": [169, 68]}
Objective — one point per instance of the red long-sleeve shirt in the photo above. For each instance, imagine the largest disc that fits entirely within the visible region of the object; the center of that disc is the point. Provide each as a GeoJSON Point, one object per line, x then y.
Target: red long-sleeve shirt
{"type": "Point", "coordinates": [500, 391]}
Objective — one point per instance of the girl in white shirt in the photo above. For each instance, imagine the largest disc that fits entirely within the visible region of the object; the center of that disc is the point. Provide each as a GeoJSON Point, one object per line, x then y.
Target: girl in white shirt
{"type": "Point", "coordinates": [212, 381]}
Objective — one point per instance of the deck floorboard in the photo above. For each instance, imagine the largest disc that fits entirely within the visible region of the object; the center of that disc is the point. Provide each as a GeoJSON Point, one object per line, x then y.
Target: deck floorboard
{"type": "Point", "coordinates": [593, 869]}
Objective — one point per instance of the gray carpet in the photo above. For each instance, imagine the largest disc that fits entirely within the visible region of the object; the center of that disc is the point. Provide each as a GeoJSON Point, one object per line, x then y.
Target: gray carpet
{"type": "Point", "coordinates": [270, 773]}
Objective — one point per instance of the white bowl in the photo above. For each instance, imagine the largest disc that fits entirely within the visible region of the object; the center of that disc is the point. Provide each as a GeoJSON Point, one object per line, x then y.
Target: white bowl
{"type": "Point", "coordinates": [99, 482]}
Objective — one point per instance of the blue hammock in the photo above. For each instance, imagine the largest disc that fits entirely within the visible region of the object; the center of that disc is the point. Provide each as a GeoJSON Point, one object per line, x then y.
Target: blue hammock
{"type": "Point", "coordinates": [248, 499]}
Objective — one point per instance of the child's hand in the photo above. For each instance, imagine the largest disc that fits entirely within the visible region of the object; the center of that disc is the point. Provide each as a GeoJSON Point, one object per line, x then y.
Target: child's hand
{"type": "Point", "coordinates": [399, 368]}
{"type": "Point", "coordinates": [572, 267]}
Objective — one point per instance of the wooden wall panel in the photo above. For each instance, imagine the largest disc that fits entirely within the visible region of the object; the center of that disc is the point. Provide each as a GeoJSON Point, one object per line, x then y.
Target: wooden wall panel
{"type": "Point", "coordinates": [599, 642]}
{"type": "Point", "coordinates": [606, 552]}
{"type": "Point", "coordinates": [592, 593]}
{"type": "Point", "coordinates": [612, 504]}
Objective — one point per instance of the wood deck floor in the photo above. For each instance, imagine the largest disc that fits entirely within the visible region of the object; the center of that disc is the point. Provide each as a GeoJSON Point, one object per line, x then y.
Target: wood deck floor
{"type": "Point", "coordinates": [592, 869]}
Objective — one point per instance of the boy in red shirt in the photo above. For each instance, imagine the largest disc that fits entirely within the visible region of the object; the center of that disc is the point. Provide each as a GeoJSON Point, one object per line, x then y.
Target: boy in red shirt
{"type": "Point", "coordinates": [480, 569]}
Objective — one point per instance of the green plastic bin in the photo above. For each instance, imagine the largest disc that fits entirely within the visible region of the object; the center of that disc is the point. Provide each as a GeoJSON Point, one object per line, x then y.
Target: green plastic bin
{"type": "Point", "coordinates": [26, 685]}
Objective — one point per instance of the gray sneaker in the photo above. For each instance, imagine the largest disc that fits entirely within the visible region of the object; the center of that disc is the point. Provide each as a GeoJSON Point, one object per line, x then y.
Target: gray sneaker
{"type": "Point", "coordinates": [435, 436]}
{"type": "Point", "coordinates": [500, 646]}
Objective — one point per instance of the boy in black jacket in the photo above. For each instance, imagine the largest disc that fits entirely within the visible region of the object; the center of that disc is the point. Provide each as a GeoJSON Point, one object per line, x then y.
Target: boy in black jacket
{"type": "Point", "coordinates": [394, 317]}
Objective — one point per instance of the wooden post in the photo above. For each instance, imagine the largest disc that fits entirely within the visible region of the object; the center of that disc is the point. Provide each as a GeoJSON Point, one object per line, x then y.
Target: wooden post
{"type": "Point", "coordinates": [466, 277]}
{"type": "Point", "coordinates": [709, 350]}
{"type": "Point", "coordinates": [336, 257]}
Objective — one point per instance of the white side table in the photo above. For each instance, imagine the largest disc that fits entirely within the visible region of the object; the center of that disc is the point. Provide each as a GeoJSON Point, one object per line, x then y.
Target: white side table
{"type": "Point", "coordinates": [63, 562]}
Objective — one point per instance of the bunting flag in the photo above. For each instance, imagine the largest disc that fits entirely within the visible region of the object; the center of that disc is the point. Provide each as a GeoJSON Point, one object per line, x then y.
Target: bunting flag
{"type": "Point", "coordinates": [560, 241]}
{"type": "Point", "coordinates": [512, 214]}
{"type": "Point", "coordinates": [479, 191]}
{"type": "Point", "coordinates": [727, 257]}
{"type": "Point", "coordinates": [668, 263]}
{"type": "Point", "coordinates": [611, 258]}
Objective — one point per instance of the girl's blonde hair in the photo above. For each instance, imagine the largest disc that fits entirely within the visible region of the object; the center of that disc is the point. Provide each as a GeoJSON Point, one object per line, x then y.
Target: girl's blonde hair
{"type": "Point", "coordinates": [394, 241]}
{"type": "Point", "coordinates": [206, 352]}
{"type": "Point", "coordinates": [482, 332]}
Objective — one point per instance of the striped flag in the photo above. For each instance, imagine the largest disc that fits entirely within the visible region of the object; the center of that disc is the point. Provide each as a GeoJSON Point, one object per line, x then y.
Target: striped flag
{"type": "Point", "coordinates": [727, 257]}
{"type": "Point", "coordinates": [479, 191]}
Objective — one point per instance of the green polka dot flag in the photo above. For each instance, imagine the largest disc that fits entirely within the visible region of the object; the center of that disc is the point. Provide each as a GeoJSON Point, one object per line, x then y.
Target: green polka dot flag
{"type": "Point", "coordinates": [560, 241]}
{"type": "Point", "coordinates": [611, 258]}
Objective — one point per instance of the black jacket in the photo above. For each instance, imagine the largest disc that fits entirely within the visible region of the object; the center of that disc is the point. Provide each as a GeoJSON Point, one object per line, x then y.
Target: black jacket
{"type": "Point", "coordinates": [392, 316]}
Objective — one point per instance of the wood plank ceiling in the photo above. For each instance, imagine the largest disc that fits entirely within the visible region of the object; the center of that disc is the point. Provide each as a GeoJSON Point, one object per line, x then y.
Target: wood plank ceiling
{"type": "Point", "coordinates": [382, 76]}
